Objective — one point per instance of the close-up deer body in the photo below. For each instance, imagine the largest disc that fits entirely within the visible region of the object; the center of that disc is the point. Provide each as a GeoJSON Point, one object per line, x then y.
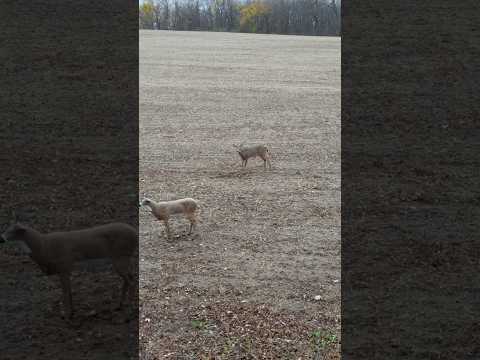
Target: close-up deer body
{"type": "Point", "coordinates": [56, 252]}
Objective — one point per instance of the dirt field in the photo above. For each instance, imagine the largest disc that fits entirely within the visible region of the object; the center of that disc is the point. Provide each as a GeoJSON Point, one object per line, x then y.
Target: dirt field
{"type": "Point", "coordinates": [68, 154]}
{"type": "Point", "coordinates": [261, 276]}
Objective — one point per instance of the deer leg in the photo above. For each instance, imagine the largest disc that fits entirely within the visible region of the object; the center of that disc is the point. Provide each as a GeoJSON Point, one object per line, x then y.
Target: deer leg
{"type": "Point", "coordinates": [167, 229]}
{"type": "Point", "coordinates": [193, 222]}
{"type": "Point", "coordinates": [67, 294]}
{"type": "Point", "coordinates": [266, 160]}
{"type": "Point", "coordinates": [121, 266]}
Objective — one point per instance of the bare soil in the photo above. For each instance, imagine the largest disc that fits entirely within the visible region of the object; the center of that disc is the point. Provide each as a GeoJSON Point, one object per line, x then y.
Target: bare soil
{"type": "Point", "coordinates": [260, 278]}
{"type": "Point", "coordinates": [68, 155]}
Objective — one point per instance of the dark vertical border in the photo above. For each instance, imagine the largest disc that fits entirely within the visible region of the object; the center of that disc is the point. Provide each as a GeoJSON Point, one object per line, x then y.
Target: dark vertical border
{"type": "Point", "coordinates": [410, 189]}
{"type": "Point", "coordinates": [69, 160]}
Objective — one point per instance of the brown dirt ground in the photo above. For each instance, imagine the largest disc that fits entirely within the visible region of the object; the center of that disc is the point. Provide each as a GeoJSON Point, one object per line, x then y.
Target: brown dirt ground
{"type": "Point", "coordinates": [244, 285]}
{"type": "Point", "coordinates": [63, 144]}
{"type": "Point", "coordinates": [410, 189]}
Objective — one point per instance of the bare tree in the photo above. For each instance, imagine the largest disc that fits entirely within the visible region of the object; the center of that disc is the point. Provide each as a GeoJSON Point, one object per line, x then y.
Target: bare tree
{"type": "Point", "coordinates": [157, 14]}
{"type": "Point", "coordinates": [302, 17]}
{"type": "Point", "coordinates": [165, 8]}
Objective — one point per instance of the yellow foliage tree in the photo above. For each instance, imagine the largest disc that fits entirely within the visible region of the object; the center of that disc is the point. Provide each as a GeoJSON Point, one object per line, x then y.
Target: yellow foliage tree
{"type": "Point", "coordinates": [146, 12]}
{"type": "Point", "coordinates": [254, 17]}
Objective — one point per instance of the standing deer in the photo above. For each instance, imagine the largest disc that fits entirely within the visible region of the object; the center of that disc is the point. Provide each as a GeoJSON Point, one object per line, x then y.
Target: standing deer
{"type": "Point", "coordinates": [247, 152]}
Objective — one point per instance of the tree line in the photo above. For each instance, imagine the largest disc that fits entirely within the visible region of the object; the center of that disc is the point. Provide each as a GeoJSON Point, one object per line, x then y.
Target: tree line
{"type": "Point", "coordinates": [299, 17]}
